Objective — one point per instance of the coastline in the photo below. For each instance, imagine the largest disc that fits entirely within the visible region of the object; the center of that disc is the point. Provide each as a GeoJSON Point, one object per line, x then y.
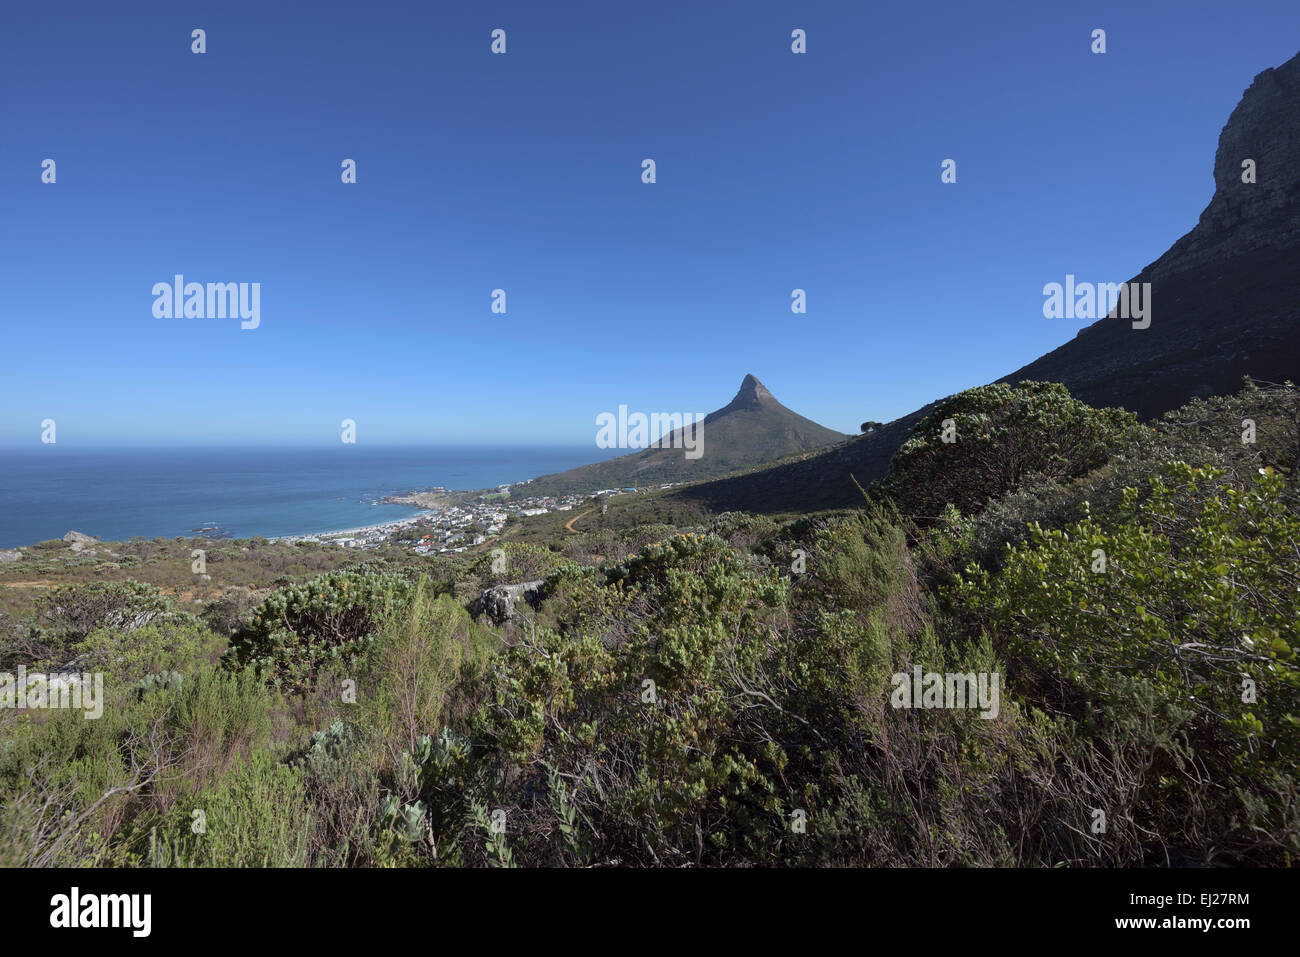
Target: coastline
{"type": "Point", "coordinates": [431, 501]}
{"type": "Point", "coordinates": [385, 527]}
{"type": "Point", "coordinates": [240, 493]}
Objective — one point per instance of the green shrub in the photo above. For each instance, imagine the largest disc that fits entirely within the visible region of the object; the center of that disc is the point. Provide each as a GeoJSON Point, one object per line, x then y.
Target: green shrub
{"type": "Point", "coordinates": [1002, 436]}
{"type": "Point", "coordinates": [173, 643]}
{"type": "Point", "coordinates": [651, 777]}
{"type": "Point", "coordinates": [86, 792]}
{"type": "Point", "coordinates": [1173, 621]}
{"type": "Point", "coordinates": [1204, 432]}
{"type": "Point", "coordinates": [231, 611]}
{"type": "Point", "coordinates": [255, 815]}
{"type": "Point", "coordinates": [423, 649]}
{"type": "Point", "coordinates": [70, 614]}
{"type": "Point", "coordinates": [220, 717]}
{"type": "Point", "coordinates": [331, 619]}
{"type": "Point", "coordinates": [522, 562]}
{"type": "Point", "coordinates": [860, 562]}
{"type": "Point", "coordinates": [430, 811]}
{"type": "Point", "coordinates": [78, 610]}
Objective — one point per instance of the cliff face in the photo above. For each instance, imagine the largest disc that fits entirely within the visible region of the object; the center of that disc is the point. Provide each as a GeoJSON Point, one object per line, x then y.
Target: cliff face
{"type": "Point", "coordinates": [1226, 297]}
{"type": "Point", "coordinates": [1225, 303]}
{"type": "Point", "coordinates": [1243, 218]}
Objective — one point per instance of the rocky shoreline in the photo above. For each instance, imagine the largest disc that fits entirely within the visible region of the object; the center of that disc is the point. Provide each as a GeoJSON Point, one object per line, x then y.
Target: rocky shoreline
{"type": "Point", "coordinates": [437, 497]}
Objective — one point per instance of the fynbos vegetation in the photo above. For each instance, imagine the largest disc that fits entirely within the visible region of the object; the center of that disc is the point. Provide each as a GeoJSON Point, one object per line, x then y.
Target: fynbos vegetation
{"type": "Point", "coordinates": [1050, 636]}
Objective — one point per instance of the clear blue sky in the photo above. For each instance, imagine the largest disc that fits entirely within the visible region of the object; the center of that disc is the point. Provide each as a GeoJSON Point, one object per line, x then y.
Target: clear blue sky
{"type": "Point", "coordinates": [523, 171]}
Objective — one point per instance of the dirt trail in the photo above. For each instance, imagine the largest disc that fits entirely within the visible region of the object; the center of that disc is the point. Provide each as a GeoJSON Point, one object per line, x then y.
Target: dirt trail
{"type": "Point", "coordinates": [569, 524]}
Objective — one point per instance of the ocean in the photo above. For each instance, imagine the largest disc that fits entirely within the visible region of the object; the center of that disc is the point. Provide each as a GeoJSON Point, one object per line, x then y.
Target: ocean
{"type": "Point", "coordinates": [116, 494]}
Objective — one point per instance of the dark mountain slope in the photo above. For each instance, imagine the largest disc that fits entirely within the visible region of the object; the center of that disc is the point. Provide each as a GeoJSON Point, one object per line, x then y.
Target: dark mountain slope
{"type": "Point", "coordinates": [1226, 303]}
{"type": "Point", "coordinates": [1227, 295]}
{"type": "Point", "coordinates": [812, 482]}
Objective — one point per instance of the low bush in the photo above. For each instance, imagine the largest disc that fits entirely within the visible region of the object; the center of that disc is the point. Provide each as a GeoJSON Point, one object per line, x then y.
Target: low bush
{"type": "Point", "coordinates": [1172, 626]}
{"type": "Point", "coordinates": [985, 442]}
{"type": "Point", "coordinates": [331, 619]}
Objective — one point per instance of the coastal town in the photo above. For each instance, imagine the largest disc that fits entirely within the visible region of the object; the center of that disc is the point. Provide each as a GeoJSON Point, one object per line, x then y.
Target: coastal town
{"type": "Point", "coordinates": [455, 521]}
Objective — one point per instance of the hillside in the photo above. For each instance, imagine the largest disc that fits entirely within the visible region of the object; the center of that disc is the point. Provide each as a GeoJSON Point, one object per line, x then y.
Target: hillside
{"type": "Point", "coordinates": [1226, 295]}
{"type": "Point", "coordinates": [752, 429]}
{"type": "Point", "coordinates": [1226, 303]}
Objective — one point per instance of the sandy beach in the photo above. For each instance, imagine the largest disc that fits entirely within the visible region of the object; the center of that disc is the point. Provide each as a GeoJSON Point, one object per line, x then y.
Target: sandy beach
{"type": "Point", "coordinates": [364, 530]}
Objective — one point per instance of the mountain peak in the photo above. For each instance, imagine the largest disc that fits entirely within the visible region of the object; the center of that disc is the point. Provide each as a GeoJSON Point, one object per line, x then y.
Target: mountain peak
{"type": "Point", "coordinates": [752, 429]}
{"type": "Point", "coordinates": [751, 394]}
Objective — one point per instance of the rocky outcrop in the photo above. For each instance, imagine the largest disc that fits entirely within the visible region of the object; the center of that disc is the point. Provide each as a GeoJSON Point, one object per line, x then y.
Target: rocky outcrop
{"type": "Point", "coordinates": [501, 602]}
{"type": "Point", "coordinates": [1243, 218]}
{"type": "Point", "coordinates": [10, 555]}
{"type": "Point", "coordinates": [81, 543]}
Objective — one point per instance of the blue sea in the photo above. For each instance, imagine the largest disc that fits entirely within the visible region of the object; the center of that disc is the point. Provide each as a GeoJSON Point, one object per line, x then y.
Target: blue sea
{"type": "Point", "coordinates": [116, 494]}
